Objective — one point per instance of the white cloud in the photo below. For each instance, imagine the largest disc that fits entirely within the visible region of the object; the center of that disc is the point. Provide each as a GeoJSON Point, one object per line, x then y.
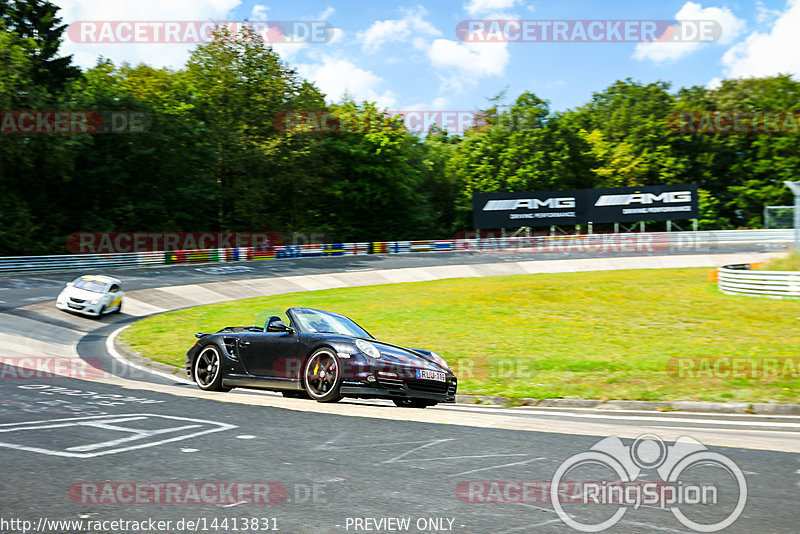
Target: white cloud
{"type": "Point", "coordinates": [338, 35]}
{"type": "Point", "coordinates": [768, 53]}
{"type": "Point", "coordinates": [714, 83]}
{"type": "Point", "coordinates": [464, 63]}
{"type": "Point", "coordinates": [764, 15]}
{"type": "Point", "coordinates": [412, 26]}
{"type": "Point", "coordinates": [688, 17]}
{"type": "Point", "coordinates": [475, 8]}
{"type": "Point", "coordinates": [174, 55]}
{"type": "Point", "coordinates": [259, 12]}
{"type": "Point", "coordinates": [440, 103]}
{"type": "Point", "coordinates": [289, 51]}
{"type": "Point", "coordinates": [327, 12]}
{"type": "Point", "coordinates": [339, 77]}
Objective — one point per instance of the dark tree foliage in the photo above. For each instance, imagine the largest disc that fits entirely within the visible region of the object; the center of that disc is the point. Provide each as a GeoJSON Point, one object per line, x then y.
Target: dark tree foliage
{"type": "Point", "coordinates": [37, 22]}
{"type": "Point", "coordinates": [213, 158]}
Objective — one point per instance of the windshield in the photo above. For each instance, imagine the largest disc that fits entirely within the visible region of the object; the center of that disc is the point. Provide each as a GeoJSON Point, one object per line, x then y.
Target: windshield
{"type": "Point", "coordinates": [264, 318]}
{"type": "Point", "coordinates": [89, 285]}
{"type": "Point", "coordinates": [317, 321]}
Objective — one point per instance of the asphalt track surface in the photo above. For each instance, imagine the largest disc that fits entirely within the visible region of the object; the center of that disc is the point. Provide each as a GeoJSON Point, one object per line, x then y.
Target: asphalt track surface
{"type": "Point", "coordinates": [68, 447]}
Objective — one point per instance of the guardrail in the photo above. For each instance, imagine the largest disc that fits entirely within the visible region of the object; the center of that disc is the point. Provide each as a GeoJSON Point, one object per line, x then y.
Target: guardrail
{"type": "Point", "coordinates": [742, 280]}
{"type": "Point", "coordinates": [643, 242]}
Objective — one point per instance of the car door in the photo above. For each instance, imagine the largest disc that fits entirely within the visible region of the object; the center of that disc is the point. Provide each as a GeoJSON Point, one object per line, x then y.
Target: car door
{"type": "Point", "coordinates": [115, 296]}
{"type": "Point", "coordinates": [268, 353]}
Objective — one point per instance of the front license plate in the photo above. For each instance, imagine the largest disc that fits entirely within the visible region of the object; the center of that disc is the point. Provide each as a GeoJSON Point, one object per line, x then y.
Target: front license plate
{"type": "Point", "coordinates": [424, 374]}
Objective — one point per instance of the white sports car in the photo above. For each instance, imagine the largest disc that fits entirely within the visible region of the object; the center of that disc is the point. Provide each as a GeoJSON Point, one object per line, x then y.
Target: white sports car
{"type": "Point", "coordinates": [92, 295]}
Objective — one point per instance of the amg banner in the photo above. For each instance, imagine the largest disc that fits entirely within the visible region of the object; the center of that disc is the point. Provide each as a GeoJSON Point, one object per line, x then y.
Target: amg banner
{"type": "Point", "coordinates": [621, 204]}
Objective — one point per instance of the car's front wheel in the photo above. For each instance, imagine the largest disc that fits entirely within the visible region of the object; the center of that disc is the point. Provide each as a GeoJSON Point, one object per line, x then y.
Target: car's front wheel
{"type": "Point", "coordinates": [322, 376]}
{"type": "Point", "coordinates": [208, 370]}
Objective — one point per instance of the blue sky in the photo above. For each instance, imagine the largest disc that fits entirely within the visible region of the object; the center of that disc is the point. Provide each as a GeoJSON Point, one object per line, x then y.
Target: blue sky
{"type": "Point", "coordinates": [406, 56]}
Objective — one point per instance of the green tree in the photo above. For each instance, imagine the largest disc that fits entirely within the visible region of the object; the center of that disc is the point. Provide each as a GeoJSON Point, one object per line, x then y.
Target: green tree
{"type": "Point", "coordinates": [375, 186]}
{"type": "Point", "coordinates": [237, 86]}
{"type": "Point", "coordinates": [36, 22]}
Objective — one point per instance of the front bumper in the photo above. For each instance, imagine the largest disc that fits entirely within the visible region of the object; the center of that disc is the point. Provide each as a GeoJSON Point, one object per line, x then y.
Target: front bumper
{"type": "Point", "coordinates": [84, 308]}
{"type": "Point", "coordinates": [402, 388]}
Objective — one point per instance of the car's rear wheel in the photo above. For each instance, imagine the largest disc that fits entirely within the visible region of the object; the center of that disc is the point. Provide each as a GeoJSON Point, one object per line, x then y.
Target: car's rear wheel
{"type": "Point", "coordinates": [208, 370]}
{"type": "Point", "coordinates": [413, 403]}
{"type": "Point", "coordinates": [322, 376]}
{"type": "Point", "coordinates": [119, 308]}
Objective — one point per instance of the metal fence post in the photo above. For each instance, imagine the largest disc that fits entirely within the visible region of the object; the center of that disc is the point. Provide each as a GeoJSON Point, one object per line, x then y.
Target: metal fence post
{"type": "Point", "coordinates": [795, 187]}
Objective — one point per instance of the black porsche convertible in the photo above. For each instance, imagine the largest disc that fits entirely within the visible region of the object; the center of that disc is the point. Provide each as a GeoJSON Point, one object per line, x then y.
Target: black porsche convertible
{"type": "Point", "coordinates": [321, 355]}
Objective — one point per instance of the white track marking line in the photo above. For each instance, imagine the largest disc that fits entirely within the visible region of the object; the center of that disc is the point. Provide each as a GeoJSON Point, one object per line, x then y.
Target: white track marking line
{"type": "Point", "coordinates": [529, 527]}
{"type": "Point", "coordinates": [137, 434]}
{"type": "Point", "coordinates": [458, 457]}
{"type": "Point", "coordinates": [32, 425]}
{"type": "Point", "coordinates": [326, 447]}
{"type": "Point", "coordinates": [498, 466]}
{"type": "Point", "coordinates": [120, 358]}
{"type": "Point", "coordinates": [636, 418]}
{"type": "Point", "coordinates": [601, 411]}
{"type": "Point", "coordinates": [62, 425]}
{"type": "Point", "coordinates": [656, 527]}
{"type": "Point", "coordinates": [397, 458]}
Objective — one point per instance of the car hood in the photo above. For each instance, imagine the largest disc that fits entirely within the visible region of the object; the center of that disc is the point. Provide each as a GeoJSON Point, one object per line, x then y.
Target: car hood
{"type": "Point", "coordinates": [394, 354]}
{"type": "Point", "coordinates": [81, 293]}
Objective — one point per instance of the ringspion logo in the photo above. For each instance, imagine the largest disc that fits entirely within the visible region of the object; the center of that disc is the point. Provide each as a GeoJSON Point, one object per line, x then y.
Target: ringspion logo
{"type": "Point", "coordinates": [704, 490]}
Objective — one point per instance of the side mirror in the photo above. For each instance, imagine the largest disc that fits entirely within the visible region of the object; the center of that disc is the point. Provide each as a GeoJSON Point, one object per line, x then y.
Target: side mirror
{"type": "Point", "coordinates": [279, 326]}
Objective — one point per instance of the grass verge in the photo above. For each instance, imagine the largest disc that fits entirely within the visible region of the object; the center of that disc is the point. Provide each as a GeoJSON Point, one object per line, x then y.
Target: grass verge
{"type": "Point", "coordinates": [790, 262]}
{"type": "Point", "coordinates": [599, 335]}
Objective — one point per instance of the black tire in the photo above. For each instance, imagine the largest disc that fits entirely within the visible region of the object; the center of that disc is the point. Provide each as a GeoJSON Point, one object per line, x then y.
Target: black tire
{"type": "Point", "coordinates": [207, 369]}
{"type": "Point", "coordinates": [322, 376]}
{"type": "Point", "coordinates": [102, 311]}
{"type": "Point", "coordinates": [413, 403]}
{"type": "Point", "coordinates": [119, 308]}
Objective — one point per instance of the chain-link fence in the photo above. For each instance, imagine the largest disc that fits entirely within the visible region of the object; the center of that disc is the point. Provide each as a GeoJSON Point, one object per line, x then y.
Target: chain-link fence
{"type": "Point", "coordinates": [778, 217]}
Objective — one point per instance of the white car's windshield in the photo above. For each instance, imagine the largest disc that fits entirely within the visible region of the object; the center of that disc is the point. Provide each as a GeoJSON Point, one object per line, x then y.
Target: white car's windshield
{"type": "Point", "coordinates": [330, 323]}
{"type": "Point", "coordinates": [89, 285]}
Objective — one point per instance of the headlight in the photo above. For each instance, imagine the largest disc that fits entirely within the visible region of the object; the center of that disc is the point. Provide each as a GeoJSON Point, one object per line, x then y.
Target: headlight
{"type": "Point", "coordinates": [368, 348]}
{"type": "Point", "coordinates": [95, 302]}
{"type": "Point", "coordinates": [438, 359]}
